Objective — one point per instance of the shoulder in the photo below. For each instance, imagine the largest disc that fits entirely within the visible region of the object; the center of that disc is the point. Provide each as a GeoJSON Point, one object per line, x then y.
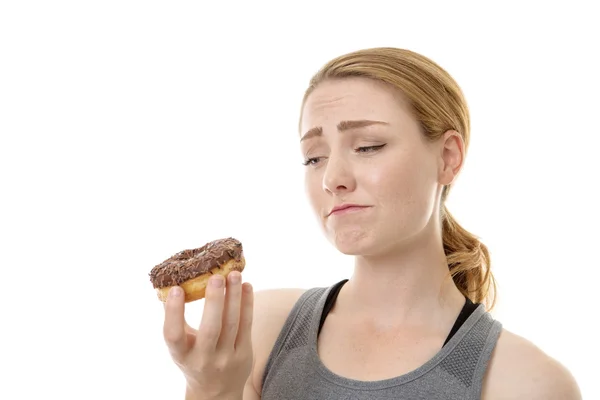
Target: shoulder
{"type": "Point", "coordinates": [271, 309]}
{"type": "Point", "coordinates": [273, 305]}
{"type": "Point", "coordinates": [520, 370]}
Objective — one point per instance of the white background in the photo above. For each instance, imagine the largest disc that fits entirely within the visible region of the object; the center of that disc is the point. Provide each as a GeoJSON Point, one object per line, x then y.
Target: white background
{"type": "Point", "coordinates": [132, 130]}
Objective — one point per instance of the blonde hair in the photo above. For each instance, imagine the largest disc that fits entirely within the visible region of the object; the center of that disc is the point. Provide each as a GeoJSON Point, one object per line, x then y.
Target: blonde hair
{"type": "Point", "coordinates": [439, 105]}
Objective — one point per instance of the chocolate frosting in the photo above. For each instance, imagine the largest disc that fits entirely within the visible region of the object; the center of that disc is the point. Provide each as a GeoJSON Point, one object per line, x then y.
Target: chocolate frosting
{"type": "Point", "coordinates": [189, 264]}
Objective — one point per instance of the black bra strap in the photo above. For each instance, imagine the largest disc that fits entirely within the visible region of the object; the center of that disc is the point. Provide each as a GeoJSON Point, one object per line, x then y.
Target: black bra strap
{"type": "Point", "coordinates": [330, 301]}
{"type": "Point", "coordinates": [464, 314]}
{"type": "Point", "coordinates": [466, 311]}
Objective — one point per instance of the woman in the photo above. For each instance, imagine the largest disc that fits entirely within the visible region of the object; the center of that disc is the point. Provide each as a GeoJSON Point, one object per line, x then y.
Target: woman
{"type": "Point", "coordinates": [384, 133]}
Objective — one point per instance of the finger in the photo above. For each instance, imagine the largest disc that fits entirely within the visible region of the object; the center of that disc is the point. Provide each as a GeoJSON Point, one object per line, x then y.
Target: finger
{"type": "Point", "coordinates": [188, 328]}
{"type": "Point", "coordinates": [244, 336]}
{"type": "Point", "coordinates": [174, 324]}
{"type": "Point", "coordinates": [231, 312]}
{"type": "Point", "coordinates": [210, 325]}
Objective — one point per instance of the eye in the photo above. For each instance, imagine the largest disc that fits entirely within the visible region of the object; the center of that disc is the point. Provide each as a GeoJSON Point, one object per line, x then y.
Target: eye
{"type": "Point", "coordinates": [311, 161]}
{"type": "Point", "coordinates": [369, 149]}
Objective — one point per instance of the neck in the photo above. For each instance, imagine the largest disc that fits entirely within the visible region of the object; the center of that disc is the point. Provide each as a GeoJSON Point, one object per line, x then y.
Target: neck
{"type": "Point", "coordinates": [408, 284]}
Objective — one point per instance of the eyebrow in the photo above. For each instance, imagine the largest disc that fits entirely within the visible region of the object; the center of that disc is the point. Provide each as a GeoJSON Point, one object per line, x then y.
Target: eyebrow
{"type": "Point", "coordinates": [342, 126]}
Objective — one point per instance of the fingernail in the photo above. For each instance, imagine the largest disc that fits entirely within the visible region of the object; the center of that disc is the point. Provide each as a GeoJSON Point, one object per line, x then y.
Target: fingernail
{"type": "Point", "coordinates": [235, 278]}
{"type": "Point", "coordinates": [175, 292]}
{"type": "Point", "coordinates": [217, 281]}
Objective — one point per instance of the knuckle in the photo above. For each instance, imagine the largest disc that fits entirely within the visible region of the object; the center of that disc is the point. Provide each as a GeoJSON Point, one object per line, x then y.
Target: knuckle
{"type": "Point", "coordinates": [204, 364]}
{"type": "Point", "coordinates": [246, 321]}
{"type": "Point", "coordinates": [230, 326]}
{"type": "Point", "coordinates": [171, 336]}
{"type": "Point", "coordinates": [221, 364]}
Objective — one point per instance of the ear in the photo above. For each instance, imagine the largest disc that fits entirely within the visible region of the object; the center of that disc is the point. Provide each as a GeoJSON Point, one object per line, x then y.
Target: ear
{"type": "Point", "coordinates": [451, 159]}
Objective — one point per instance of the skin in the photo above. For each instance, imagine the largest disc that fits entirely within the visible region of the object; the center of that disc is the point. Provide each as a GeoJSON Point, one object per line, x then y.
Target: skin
{"type": "Point", "coordinates": [399, 305]}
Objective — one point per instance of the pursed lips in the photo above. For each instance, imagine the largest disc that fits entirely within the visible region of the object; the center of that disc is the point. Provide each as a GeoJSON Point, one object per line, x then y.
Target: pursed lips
{"type": "Point", "coordinates": [345, 209]}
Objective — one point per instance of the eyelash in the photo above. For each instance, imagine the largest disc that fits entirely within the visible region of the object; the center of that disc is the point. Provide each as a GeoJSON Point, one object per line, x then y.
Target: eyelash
{"type": "Point", "coordinates": [363, 149]}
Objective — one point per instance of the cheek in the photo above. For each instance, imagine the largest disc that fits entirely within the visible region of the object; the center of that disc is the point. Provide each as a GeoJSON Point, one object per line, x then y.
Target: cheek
{"type": "Point", "coordinates": [402, 184]}
{"type": "Point", "coordinates": [312, 187]}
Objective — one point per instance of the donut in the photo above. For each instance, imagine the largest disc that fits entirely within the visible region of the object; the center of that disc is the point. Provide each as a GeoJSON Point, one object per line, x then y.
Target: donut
{"type": "Point", "coordinates": [191, 269]}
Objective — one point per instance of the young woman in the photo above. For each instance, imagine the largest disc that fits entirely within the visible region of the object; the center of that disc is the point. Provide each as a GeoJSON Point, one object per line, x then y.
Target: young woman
{"type": "Point", "coordinates": [384, 133]}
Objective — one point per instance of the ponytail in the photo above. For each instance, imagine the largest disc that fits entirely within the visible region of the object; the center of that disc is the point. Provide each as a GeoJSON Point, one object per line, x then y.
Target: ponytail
{"type": "Point", "coordinates": [468, 262]}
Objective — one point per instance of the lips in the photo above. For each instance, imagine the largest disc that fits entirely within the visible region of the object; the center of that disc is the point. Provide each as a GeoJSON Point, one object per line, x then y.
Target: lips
{"type": "Point", "coordinates": [346, 208]}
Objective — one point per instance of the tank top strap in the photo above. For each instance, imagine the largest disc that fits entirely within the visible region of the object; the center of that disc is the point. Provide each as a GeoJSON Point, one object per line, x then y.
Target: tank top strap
{"type": "Point", "coordinates": [296, 329]}
{"type": "Point", "coordinates": [295, 371]}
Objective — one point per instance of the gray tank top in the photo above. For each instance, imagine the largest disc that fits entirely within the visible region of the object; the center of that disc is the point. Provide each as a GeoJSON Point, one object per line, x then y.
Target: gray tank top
{"type": "Point", "coordinates": [294, 370]}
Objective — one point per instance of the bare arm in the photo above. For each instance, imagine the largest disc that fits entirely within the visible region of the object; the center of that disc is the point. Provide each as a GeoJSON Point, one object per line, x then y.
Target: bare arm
{"type": "Point", "coordinates": [271, 309]}
{"type": "Point", "coordinates": [520, 370]}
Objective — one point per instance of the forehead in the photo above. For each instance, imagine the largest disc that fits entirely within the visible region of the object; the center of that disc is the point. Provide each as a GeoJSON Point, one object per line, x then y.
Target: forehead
{"type": "Point", "coordinates": [333, 101]}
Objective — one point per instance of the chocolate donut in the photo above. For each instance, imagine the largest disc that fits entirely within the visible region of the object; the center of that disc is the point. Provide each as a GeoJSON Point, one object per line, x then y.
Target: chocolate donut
{"type": "Point", "coordinates": [191, 269]}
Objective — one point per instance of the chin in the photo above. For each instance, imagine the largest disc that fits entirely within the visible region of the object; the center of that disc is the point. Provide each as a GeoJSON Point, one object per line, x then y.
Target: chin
{"type": "Point", "coordinates": [354, 242]}
{"type": "Point", "coordinates": [372, 242]}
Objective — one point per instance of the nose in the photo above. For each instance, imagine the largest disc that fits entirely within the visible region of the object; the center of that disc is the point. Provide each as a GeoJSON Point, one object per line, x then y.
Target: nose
{"type": "Point", "coordinates": [338, 176]}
